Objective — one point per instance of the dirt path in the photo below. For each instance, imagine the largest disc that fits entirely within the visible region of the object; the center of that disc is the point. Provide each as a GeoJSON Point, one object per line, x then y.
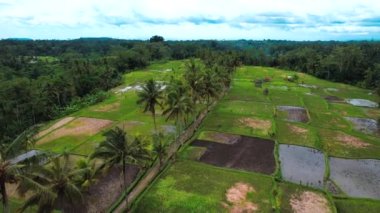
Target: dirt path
{"type": "Point", "coordinates": [154, 171]}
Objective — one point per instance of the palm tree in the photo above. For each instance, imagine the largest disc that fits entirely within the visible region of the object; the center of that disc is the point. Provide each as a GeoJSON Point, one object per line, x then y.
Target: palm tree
{"type": "Point", "coordinates": [212, 86]}
{"type": "Point", "coordinates": [149, 96]}
{"type": "Point", "coordinates": [178, 102]}
{"type": "Point", "coordinates": [52, 186]}
{"type": "Point", "coordinates": [10, 169]}
{"type": "Point", "coordinates": [193, 76]}
{"type": "Point", "coordinates": [90, 171]}
{"type": "Point", "coordinates": [119, 149]}
{"type": "Point", "coordinates": [160, 148]}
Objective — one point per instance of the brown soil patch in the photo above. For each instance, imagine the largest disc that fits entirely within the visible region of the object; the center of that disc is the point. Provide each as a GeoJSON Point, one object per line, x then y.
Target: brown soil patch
{"type": "Point", "coordinates": [237, 197]}
{"type": "Point", "coordinates": [256, 123]}
{"type": "Point", "coordinates": [296, 114]}
{"type": "Point", "coordinates": [351, 141]}
{"type": "Point", "coordinates": [108, 108]}
{"type": "Point", "coordinates": [331, 98]}
{"type": "Point", "coordinates": [80, 126]}
{"type": "Point", "coordinates": [13, 193]}
{"type": "Point", "coordinates": [55, 126]}
{"type": "Point", "coordinates": [309, 202]}
{"type": "Point", "coordinates": [101, 195]}
{"type": "Point", "coordinates": [373, 113]}
{"type": "Point", "coordinates": [297, 129]}
{"type": "Point", "coordinates": [223, 137]}
{"type": "Point", "coordinates": [249, 153]}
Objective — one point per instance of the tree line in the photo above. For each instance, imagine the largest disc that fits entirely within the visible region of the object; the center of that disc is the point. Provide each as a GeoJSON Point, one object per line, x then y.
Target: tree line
{"type": "Point", "coordinates": [45, 79]}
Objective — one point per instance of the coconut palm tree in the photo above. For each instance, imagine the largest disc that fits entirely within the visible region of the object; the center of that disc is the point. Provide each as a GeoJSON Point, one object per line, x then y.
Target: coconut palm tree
{"type": "Point", "coordinates": [90, 172]}
{"type": "Point", "coordinates": [118, 149]}
{"type": "Point", "coordinates": [193, 76]}
{"type": "Point", "coordinates": [150, 96]}
{"type": "Point", "coordinates": [52, 186]}
{"type": "Point", "coordinates": [160, 147]}
{"type": "Point", "coordinates": [178, 103]}
{"type": "Point", "coordinates": [212, 86]}
{"type": "Point", "coordinates": [9, 168]}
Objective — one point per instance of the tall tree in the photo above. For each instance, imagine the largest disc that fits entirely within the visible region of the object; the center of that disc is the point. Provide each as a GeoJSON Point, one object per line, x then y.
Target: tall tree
{"type": "Point", "coordinates": [212, 84]}
{"type": "Point", "coordinates": [160, 147]}
{"type": "Point", "coordinates": [52, 186]}
{"type": "Point", "coordinates": [150, 96]}
{"type": "Point", "coordinates": [9, 169]}
{"type": "Point", "coordinates": [178, 103]}
{"type": "Point", "coordinates": [193, 77]}
{"type": "Point", "coordinates": [118, 149]}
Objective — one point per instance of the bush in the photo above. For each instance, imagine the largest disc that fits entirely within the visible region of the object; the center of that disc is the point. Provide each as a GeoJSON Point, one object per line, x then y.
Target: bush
{"type": "Point", "coordinates": [266, 91]}
{"type": "Point", "coordinates": [79, 103]}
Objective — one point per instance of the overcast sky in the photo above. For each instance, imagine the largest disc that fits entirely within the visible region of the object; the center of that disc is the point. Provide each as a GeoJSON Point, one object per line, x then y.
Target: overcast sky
{"type": "Point", "coordinates": [191, 19]}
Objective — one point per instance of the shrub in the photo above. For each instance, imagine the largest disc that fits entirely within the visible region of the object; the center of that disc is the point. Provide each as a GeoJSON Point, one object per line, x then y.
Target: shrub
{"type": "Point", "coordinates": [266, 91]}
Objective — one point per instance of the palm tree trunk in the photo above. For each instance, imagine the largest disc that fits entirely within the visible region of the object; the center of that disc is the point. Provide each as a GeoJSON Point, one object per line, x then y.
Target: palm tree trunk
{"type": "Point", "coordinates": [124, 180]}
{"type": "Point", "coordinates": [4, 196]}
{"type": "Point", "coordinates": [154, 121]}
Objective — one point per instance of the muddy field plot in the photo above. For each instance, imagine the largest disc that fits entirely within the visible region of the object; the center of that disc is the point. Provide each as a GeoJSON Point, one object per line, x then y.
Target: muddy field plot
{"type": "Point", "coordinates": [302, 165]}
{"type": "Point", "coordinates": [341, 144]}
{"type": "Point", "coordinates": [298, 199]}
{"type": "Point", "coordinates": [365, 125]}
{"type": "Point", "coordinates": [292, 113]}
{"type": "Point", "coordinates": [79, 127]}
{"type": "Point", "coordinates": [101, 195]}
{"type": "Point", "coordinates": [296, 134]}
{"type": "Point", "coordinates": [219, 137]}
{"type": "Point", "coordinates": [55, 126]}
{"type": "Point", "coordinates": [362, 103]}
{"type": "Point", "coordinates": [334, 99]}
{"type": "Point", "coordinates": [357, 178]}
{"type": "Point", "coordinates": [238, 124]}
{"type": "Point", "coordinates": [250, 154]}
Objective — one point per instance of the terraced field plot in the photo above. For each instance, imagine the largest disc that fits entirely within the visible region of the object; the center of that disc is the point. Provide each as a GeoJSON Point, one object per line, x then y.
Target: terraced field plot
{"type": "Point", "coordinates": [189, 186]}
{"type": "Point", "coordinates": [80, 133]}
{"type": "Point", "coordinates": [357, 177]}
{"type": "Point", "coordinates": [247, 111]}
{"type": "Point", "coordinates": [302, 165]}
{"type": "Point", "coordinates": [246, 153]}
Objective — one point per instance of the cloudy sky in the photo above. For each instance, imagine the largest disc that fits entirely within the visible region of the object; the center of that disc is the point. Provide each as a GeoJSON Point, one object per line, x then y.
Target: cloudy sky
{"type": "Point", "coordinates": [191, 19]}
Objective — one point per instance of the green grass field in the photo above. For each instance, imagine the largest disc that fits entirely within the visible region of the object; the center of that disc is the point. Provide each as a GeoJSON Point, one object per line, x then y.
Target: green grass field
{"type": "Point", "coordinates": [190, 186]}
{"type": "Point", "coordinates": [120, 108]}
{"type": "Point", "coordinates": [356, 205]}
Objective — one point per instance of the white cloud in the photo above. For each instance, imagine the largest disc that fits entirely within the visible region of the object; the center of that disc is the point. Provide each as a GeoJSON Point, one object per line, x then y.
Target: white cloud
{"type": "Point", "coordinates": [191, 19]}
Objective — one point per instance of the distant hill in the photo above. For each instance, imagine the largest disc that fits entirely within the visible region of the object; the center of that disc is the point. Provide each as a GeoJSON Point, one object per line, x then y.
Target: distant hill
{"type": "Point", "coordinates": [20, 39]}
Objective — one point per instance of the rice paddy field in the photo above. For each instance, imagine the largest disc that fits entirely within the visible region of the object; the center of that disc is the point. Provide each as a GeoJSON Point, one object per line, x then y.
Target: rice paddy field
{"type": "Point", "coordinates": [284, 150]}
{"type": "Point", "coordinates": [315, 142]}
{"type": "Point", "coordinates": [80, 132]}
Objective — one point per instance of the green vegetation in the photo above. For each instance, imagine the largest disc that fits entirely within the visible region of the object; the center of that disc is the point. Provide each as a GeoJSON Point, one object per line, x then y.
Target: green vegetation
{"type": "Point", "coordinates": [348, 205]}
{"type": "Point", "coordinates": [245, 101]}
{"type": "Point", "coordinates": [189, 186]}
{"type": "Point", "coordinates": [75, 78]}
{"type": "Point", "coordinates": [289, 191]}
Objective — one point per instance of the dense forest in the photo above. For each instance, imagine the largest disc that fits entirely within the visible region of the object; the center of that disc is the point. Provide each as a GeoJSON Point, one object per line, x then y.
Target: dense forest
{"type": "Point", "coordinates": [45, 79]}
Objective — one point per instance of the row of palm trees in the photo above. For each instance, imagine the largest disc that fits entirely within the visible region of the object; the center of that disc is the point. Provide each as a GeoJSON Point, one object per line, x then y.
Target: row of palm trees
{"type": "Point", "coordinates": [180, 97]}
{"type": "Point", "coordinates": [60, 183]}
